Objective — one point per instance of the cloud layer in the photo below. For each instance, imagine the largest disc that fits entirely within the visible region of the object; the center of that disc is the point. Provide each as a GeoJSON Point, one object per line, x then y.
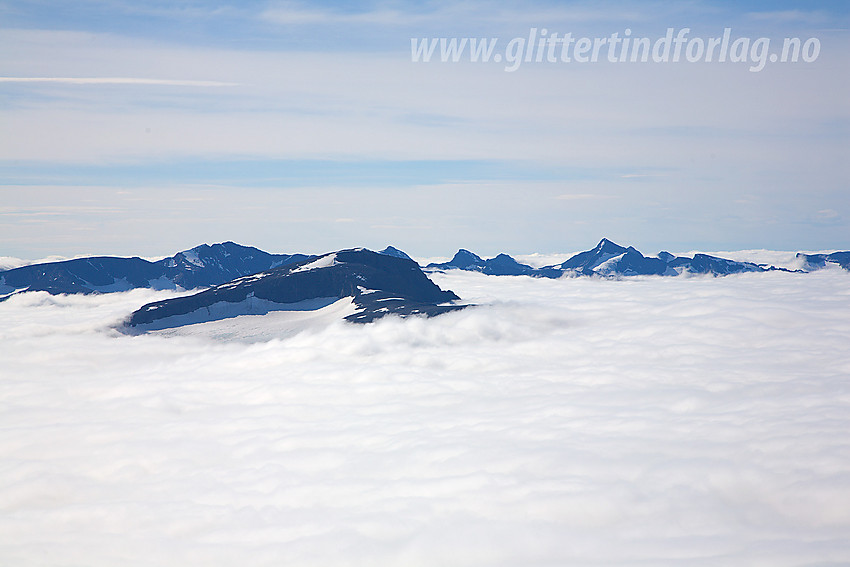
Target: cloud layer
{"type": "Point", "coordinates": [650, 421]}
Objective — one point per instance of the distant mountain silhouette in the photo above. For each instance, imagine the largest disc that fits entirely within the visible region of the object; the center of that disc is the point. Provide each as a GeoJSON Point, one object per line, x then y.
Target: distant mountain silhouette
{"type": "Point", "coordinates": [606, 259]}
{"type": "Point", "coordinates": [501, 265]}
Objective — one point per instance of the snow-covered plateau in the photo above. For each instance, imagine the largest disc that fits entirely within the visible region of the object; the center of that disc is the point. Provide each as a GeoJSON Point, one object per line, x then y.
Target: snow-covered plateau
{"type": "Point", "coordinates": [665, 421]}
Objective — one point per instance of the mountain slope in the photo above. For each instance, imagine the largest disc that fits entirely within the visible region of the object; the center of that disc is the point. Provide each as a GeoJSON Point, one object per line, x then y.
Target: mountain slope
{"type": "Point", "coordinates": [819, 261]}
{"type": "Point", "coordinates": [84, 275]}
{"type": "Point", "coordinates": [378, 284]}
{"type": "Point", "coordinates": [206, 265]}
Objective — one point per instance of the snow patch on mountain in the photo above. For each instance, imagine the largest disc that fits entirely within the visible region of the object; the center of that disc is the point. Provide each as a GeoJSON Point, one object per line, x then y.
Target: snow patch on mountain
{"type": "Point", "coordinates": [325, 261]}
{"type": "Point", "coordinates": [243, 280]}
{"type": "Point", "coordinates": [607, 263]}
{"type": "Point", "coordinates": [251, 306]}
{"type": "Point", "coordinates": [191, 256]}
{"type": "Point", "coordinates": [276, 324]}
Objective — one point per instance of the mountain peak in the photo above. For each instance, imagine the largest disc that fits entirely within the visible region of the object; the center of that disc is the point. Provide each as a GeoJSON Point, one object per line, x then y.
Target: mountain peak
{"type": "Point", "coordinates": [394, 252]}
{"type": "Point", "coordinates": [463, 258]}
{"type": "Point", "coordinates": [609, 247]}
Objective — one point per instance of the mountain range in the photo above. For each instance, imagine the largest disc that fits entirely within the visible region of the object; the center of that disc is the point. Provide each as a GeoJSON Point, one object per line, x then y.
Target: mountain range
{"type": "Point", "coordinates": [606, 259]}
{"type": "Point", "coordinates": [212, 265]}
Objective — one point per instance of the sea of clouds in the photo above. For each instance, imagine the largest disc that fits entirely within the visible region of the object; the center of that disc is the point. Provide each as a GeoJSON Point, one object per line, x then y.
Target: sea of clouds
{"type": "Point", "coordinates": [643, 421]}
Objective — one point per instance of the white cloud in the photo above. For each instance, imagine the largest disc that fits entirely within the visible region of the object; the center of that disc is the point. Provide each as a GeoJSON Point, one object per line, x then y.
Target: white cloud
{"type": "Point", "coordinates": [9, 262]}
{"type": "Point", "coordinates": [447, 14]}
{"type": "Point", "coordinates": [580, 196]}
{"type": "Point", "coordinates": [648, 421]}
{"type": "Point", "coordinates": [827, 216]}
{"type": "Point", "coordinates": [290, 13]}
{"type": "Point", "coordinates": [792, 16]}
{"type": "Point", "coordinates": [117, 81]}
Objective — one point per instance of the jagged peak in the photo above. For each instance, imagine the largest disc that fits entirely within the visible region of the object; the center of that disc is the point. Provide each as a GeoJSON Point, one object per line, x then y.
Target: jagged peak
{"type": "Point", "coordinates": [609, 246]}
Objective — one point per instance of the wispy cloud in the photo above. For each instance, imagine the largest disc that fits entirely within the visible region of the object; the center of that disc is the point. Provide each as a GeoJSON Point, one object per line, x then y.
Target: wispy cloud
{"type": "Point", "coordinates": [826, 216]}
{"type": "Point", "coordinates": [118, 81]}
{"type": "Point", "coordinates": [580, 196]}
{"type": "Point", "coordinates": [297, 13]}
{"type": "Point", "coordinates": [791, 16]}
{"type": "Point", "coordinates": [641, 175]}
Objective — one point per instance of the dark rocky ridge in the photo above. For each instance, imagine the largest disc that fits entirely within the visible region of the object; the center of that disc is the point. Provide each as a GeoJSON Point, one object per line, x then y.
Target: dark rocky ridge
{"type": "Point", "coordinates": [379, 284]}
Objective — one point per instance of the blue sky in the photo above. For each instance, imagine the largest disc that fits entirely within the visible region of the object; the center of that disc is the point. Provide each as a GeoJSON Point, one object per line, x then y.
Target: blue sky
{"type": "Point", "coordinates": [306, 127]}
